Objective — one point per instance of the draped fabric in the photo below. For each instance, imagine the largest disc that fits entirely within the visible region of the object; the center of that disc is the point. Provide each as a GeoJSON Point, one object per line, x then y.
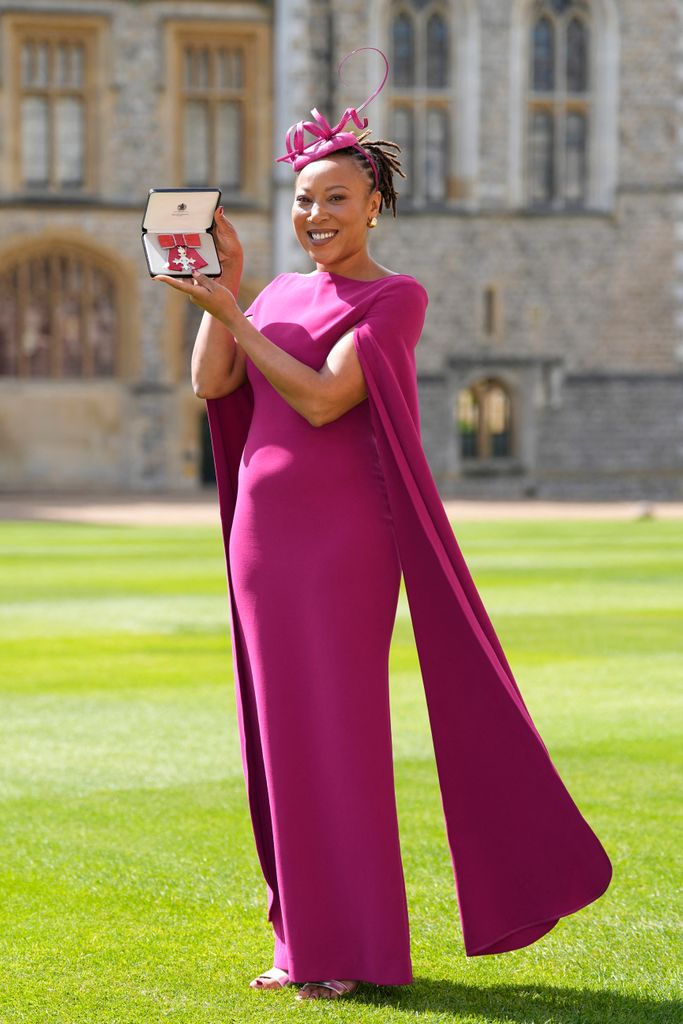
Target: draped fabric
{"type": "Point", "coordinates": [523, 855]}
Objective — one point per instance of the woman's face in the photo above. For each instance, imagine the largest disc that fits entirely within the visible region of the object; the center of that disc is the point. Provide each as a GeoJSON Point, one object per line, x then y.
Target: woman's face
{"type": "Point", "coordinates": [332, 205]}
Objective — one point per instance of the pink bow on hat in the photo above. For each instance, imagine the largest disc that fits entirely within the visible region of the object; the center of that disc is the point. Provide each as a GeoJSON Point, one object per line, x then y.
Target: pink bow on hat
{"type": "Point", "coordinates": [327, 139]}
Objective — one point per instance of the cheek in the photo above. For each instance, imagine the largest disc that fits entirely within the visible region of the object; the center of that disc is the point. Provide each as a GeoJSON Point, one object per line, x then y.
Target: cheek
{"type": "Point", "coordinates": [298, 218]}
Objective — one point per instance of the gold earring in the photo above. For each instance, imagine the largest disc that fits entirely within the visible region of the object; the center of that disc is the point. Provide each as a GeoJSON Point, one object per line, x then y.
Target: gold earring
{"type": "Point", "coordinates": [372, 223]}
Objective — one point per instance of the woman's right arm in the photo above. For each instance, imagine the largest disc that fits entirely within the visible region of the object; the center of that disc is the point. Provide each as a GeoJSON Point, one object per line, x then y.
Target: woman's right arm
{"type": "Point", "coordinates": [218, 364]}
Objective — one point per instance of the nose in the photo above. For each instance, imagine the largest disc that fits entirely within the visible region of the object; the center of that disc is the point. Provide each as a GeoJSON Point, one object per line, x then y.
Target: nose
{"type": "Point", "coordinates": [316, 212]}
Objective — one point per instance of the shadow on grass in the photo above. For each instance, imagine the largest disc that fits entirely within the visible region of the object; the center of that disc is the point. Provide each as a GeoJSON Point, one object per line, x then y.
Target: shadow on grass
{"type": "Point", "coordinates": [531, 1004]}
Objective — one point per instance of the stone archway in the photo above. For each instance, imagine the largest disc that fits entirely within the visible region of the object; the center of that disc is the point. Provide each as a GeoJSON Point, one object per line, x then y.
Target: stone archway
{"type": "Point", "coordinates": [62, 314]}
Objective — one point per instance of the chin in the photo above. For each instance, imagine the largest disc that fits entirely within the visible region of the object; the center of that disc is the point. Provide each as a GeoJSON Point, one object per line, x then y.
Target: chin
{"type": "Point", "coordinates": [322, 260]}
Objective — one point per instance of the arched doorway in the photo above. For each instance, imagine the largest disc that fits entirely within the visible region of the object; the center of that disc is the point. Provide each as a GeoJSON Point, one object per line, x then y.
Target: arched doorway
{"type": "Point", "coordinates": [484, 420]}
{"type": "Point", "coordinates": [59, 316]}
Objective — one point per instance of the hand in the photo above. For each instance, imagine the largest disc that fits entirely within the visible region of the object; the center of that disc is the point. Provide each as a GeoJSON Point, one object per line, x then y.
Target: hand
{"type": "Point", "coordinates": [206, 293]}
{"type": "Point", "coordinates": [228, 245]}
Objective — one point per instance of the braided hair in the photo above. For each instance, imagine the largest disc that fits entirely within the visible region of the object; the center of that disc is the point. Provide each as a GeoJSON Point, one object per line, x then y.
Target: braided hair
{"type": "Point", "coordinates": [387, 163]}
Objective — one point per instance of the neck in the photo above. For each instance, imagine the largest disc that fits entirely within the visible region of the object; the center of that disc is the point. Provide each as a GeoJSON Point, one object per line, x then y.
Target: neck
{"type": "Point", "coordinates": [358, 265]}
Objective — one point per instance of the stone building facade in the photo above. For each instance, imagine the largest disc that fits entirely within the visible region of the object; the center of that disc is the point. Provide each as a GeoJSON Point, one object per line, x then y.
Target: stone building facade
{"type": "Point", "coordinates": [543, 211]}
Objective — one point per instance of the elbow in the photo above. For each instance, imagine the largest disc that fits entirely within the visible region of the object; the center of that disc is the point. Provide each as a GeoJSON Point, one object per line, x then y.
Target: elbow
{"type": "Point", "coordinates": [202, 391]}
{"type": "Point", "coordinates": [318, 415]}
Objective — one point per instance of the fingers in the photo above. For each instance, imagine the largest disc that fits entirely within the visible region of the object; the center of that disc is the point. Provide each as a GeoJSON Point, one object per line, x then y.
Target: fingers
{"type": "Point", "coordinates": [175, 282]}
{"type": "Point", "coordinates": [201, 279]}
{"type": "Point", "coordinates": [222, 222]}
{"type": "Point", "coordinates": [180, 283]}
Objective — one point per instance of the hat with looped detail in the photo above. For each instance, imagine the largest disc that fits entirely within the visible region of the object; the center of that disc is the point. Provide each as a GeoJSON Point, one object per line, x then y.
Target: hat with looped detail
{"type": "Point", "coordinates": [329, 139]}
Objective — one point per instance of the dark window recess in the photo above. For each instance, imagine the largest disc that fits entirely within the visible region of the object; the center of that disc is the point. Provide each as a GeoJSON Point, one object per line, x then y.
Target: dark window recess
{"type": "Point", "coordinates": [207, 469]}
{"type": "Point", "coordinates": [484, 420]}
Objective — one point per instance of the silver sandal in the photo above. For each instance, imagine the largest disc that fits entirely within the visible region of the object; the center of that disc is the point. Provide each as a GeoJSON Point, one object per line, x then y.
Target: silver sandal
{"type": "Point", "coordinates": [336, 986]}
{"type": "Point", "coordinates": [273, 974]}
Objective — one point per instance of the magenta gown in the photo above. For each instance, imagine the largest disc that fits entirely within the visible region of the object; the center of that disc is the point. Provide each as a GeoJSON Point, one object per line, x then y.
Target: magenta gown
{"type": "Point", "coordinates": [318, 524]}
{"type": "Point", "coordinates": [316, 577]}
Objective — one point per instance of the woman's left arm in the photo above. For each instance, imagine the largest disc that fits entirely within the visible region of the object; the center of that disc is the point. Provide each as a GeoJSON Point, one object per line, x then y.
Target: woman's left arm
{"type": "Point", "coordinates": [320, 396]}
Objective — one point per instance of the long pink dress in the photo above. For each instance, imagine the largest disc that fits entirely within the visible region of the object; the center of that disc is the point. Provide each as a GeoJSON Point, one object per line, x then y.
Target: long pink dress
{"type": "Point", "coordinates": [319, 523]}
{"type": "Point", "coordinates": [316, 577]}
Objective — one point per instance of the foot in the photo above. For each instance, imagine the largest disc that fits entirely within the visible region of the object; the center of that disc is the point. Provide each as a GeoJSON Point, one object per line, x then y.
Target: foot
{"type": "Point", "coordinates": [330, 990]}
{"type": "Point", "coordinates": [273, 978]}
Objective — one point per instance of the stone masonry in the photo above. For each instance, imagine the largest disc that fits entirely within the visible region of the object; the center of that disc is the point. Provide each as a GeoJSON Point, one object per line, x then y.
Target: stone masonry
{"type": "Point", "coordinates": [590, 343]}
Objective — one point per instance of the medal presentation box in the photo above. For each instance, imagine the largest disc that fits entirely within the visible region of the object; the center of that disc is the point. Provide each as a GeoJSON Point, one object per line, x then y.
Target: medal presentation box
{"type": "Point", "coordinates": [177, 231]}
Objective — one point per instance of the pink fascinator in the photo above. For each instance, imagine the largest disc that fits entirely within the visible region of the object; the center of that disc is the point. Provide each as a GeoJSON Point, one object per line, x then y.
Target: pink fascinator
{"type": "Point", "coordinates": [327, 139]}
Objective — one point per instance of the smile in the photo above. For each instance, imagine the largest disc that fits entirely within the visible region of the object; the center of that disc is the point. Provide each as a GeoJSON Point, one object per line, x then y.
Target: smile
{"type": "Point", "coordinates": [320, 237]}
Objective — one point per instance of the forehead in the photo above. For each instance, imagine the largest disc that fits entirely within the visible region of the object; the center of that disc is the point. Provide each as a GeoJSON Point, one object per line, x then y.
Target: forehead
{"type": "Point", "coordinates": [328, 171]}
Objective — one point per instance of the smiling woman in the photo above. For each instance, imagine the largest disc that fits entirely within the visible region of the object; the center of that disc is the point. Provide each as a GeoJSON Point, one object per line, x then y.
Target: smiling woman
{"type": "Point", "coordinates": [326, 498]}
{"type": "Point", "coordinates": [332, 211]}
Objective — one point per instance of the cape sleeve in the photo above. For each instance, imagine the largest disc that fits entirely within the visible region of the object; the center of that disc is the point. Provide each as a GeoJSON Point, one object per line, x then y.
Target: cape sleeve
{"type": "Point", "coordinates": [522, 854]}
{"type": "Point", "coordinates": [229, 418]}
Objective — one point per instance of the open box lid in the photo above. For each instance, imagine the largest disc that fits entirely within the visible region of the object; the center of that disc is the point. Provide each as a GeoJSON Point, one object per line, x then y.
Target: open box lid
{"type": "Point", "coordinates": [176, 209]}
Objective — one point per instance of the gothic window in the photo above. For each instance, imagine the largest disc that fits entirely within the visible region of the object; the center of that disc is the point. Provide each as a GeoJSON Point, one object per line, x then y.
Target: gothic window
{"type": "Point", "coordinates": [484, 420]}
{"type": "Point", "coordinates": [58, 317]}
{"type": "Point", "coordinates": [421, 99]}
{"type": "Point", "coordinates": [543, 69]}
{"type": "Point", "coordinates": [437, 51]}
{"type": "Point", "coordinates": [559, 103]}
{"type": "Point", "coordinates": [213, 98]}
{"type": "Point", "coordinates": [220, 100]}
{"type": "Point", "coordinates": [403, 135]}
{"type": "Point", "coordinates": [54, 92]}
{"type": "Point", "coordinates": [404, 49]}
{"type": "Point", "coordinates": [436, 167]}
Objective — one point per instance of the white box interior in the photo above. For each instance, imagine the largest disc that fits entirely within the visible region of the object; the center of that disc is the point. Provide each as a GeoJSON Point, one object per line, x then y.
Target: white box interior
{"type": "Point", "coordinates": [180, 210]}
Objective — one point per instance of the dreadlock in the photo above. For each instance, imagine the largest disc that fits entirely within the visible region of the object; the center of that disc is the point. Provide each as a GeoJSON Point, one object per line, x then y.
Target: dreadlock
{"type": "Point", "coordinates": [387, 162]}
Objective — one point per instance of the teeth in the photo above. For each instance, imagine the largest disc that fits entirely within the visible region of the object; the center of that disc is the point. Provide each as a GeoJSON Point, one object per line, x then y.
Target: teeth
{"type": "Point", "coordinates": [317, 236]}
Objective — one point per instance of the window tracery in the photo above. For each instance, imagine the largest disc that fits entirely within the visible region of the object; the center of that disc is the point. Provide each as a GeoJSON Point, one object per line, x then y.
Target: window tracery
{"type": "Point", "coordinates": [58, 317]}
{"type": "Point", "coordinates": [421, 63]}
{"type": "Point", "coordinates": [559, 103]}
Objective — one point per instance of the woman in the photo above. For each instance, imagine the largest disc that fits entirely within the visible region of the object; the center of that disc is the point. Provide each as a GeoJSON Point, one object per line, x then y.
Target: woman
{"type": "Point", "coordinates": [325, 498]}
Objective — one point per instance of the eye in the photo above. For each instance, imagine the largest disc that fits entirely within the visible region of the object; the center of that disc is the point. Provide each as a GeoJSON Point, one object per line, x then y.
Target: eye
{"type": "Point", "coordinates": [338, 197]}
{"type": "Point", "coordinates": [302, 199]}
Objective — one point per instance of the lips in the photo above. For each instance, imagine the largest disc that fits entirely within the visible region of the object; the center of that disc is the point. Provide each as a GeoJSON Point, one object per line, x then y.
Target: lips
{"type": "Point", "coordinates": [322, 237]}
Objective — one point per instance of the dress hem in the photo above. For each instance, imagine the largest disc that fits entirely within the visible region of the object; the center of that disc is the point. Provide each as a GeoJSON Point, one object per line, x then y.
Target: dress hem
{"type": "Point", "coordinates": [346, 973]}
{"type": "Point", "coordinates": [551, 921]}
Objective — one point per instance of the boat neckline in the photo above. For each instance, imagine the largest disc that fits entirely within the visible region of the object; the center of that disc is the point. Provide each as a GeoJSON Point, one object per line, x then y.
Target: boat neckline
{"type": "Point", "coordinates": [356, 280]}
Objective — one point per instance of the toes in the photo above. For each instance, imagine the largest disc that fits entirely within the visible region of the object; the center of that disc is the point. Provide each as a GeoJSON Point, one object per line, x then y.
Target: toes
{"type": "Point", "coordinates": [309, 992]}
{"type": "Point", "coordinates": [316, 992]}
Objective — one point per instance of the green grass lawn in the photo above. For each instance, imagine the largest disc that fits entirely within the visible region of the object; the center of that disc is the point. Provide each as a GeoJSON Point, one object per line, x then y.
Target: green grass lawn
{"type": "Point", "coordinates": [131, 891]}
